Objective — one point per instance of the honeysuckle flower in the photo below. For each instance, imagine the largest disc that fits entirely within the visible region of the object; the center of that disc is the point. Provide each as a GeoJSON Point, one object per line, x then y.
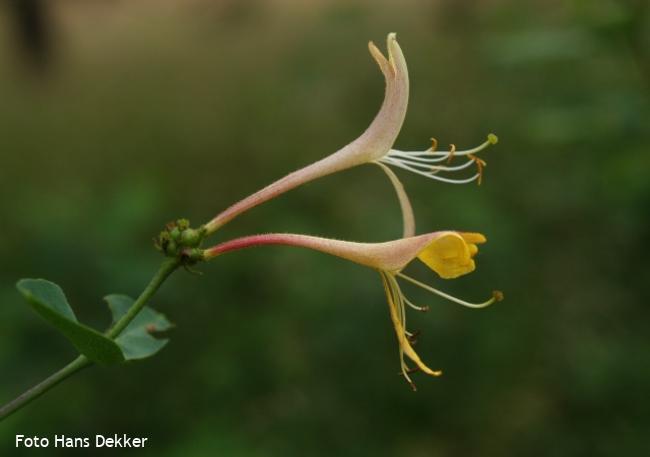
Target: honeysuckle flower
{"type": "Point", "coordinates": [448, 253]}
{"type": "Point", "coordinates": [375, 145]}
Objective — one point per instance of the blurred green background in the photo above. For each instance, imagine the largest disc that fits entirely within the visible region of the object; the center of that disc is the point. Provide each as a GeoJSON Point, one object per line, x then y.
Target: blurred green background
{"type": "Point", "coordinates": [116, 117]}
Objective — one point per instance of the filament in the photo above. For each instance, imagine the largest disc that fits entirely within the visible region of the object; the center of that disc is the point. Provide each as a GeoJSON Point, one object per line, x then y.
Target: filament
{"type": "Point", "coordinates": [428, 174]}
{"type": "Point", "coordinates": [496, 295]}
{"type": "Point", "coordinates": [423, 309]}
{"type": "Point", "coordinates": [491, 139]}
{"type": "Point", "coordinates": [396, 306]}
{"type": "Point", "coordinates": [425, 163]}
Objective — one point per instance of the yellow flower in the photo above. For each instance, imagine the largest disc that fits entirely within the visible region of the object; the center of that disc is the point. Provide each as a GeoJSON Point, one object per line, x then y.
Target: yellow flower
{"type": "Point", "coordinates": [448, 253]}
{"type": "Point", "coordinates": [452, 255]}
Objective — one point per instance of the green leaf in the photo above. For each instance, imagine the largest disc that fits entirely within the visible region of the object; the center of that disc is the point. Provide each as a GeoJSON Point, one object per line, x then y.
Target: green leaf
{"type": "Point", "coordinates": [50, 302]}
{"type": "Point", "coordinates": [136, 339]}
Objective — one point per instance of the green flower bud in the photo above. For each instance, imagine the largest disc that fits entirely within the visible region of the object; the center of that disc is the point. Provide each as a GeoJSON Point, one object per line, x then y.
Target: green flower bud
{"type": "Point", "coordinates": [183, 224]}
{"type": "Point", "coordinates": [171, 248]}
{"type": "Point", "coordinates": [191, 237]}
{"type": "Point", "coordinates": [175, 233]}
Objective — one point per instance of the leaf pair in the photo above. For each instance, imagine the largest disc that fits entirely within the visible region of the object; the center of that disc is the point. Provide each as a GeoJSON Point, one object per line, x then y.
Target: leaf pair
{"type": "Point", "coordinates": [135, 342]}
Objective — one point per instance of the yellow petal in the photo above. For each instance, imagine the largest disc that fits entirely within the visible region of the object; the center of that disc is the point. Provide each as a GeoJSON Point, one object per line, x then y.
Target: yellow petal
{"type": "Point", "coordinates": [403, 341]}
{"type": "Point", "coordinates": [450, 255]}
{"type": "Point", "coordinates": [472, 237]}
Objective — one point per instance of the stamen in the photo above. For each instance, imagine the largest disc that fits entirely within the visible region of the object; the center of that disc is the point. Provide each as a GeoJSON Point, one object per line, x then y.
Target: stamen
{"type": "Point", "coordinates": [422, 309]}
{"type": "Point", "coordinates": [455, 167]}
{"type": "Point", "coordinates": [413, 337]}
{"type": "Point", "coordinates": [496, 295]}
{"type": "Point", "coordinates": [422, 156]}
{"type": "Point", "coordinates": [491, 140]}
{"type": "Point", "coordinates": [428, 174]}
{"type": "Point", "coordinates": [452, 151]}
{"type": "Point", "coordinates": [434, 145]}
{"type": "Point", "coordinates": [396, 308]}
{"type": "Point", "coordinates": [480, 164]}
{"type": "Point", "coordinates": [393, 298]}
{"type": "Point", "coordinates": [425, 163]}
{"type": "Point", "coordinates": [405, 372]}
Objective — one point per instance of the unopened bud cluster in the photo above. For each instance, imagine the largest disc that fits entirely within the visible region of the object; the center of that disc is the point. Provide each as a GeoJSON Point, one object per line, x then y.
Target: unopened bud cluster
{"type": "Point", "coordinates": [180, 240]}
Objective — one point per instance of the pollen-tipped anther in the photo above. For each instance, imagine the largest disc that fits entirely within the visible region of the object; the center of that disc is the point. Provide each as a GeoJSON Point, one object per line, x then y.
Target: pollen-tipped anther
{"type": "Point", "coordinates": [437, 165]}
{"type": "Point", "coordinates": [452, 151]}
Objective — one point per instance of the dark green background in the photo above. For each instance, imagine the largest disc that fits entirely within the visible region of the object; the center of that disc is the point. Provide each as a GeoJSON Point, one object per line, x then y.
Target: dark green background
{"type": "Point", "coordinates": [133, 115]}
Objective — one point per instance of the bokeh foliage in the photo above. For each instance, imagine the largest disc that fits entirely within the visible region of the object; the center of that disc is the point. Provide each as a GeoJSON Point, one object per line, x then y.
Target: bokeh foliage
{"type": "Point", "coordinates": [142, 114]}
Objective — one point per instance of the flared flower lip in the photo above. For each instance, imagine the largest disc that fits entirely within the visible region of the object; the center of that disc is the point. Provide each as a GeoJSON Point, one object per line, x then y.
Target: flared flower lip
{"type": "Point", "coordinates": [373, 144]}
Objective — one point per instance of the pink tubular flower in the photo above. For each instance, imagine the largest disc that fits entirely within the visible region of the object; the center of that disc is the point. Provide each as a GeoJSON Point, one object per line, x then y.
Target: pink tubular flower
{"type": "Point", "coordinates": [374, 146]}
{"type": "Point", "coordinates": [448, 253]}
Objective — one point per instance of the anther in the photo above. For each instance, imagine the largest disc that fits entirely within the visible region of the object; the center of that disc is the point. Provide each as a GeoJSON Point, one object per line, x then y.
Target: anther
{"type": "Point", "coordinates": [480, 164]}
{"type": "Point", "coordinates": [452, 151]}
{"type": "Point", "coordinates": [405, 373]}
{"type": "Point", "coordinates": [422, 309]}
{"type": "Point", "coordinates": [434, 145]}
{"type": "Point", "coordinates": [413, 337]}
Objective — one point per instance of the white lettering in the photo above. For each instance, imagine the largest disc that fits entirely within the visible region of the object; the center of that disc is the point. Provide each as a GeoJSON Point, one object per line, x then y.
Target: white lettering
{"type": "Point", "coordinates": [117, 441]}
{"type": "Point", "coordinates": [64, 441]}
{"type": "Point", "coordinates": [35, 441]}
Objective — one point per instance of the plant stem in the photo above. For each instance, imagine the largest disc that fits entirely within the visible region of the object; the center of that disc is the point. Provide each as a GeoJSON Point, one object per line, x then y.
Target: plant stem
{"type": "Point", "coordinates": [42, 387]}
{"type": "Point", "coordinates": [163, 272]}
{"type": "Point", "coordinates": [81, 362]}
